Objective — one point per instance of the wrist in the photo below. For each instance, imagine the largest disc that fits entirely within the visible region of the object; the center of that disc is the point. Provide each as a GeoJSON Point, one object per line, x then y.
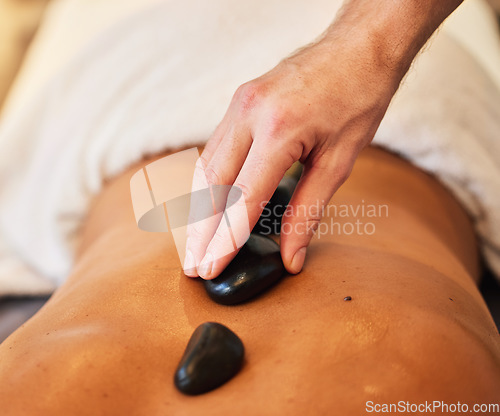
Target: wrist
{"type": "Point", "coordinates": [386, 34]}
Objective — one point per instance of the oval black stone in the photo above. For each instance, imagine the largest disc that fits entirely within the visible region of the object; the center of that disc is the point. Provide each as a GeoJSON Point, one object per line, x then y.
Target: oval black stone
{"type": "Point", "coordinates": [255, 268]}
{"type": "Point", "coordinates": [214, 355]}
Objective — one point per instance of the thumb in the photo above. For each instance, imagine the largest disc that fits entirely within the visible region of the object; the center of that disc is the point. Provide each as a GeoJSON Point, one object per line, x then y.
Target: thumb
{"type": "Point", "coordinates": [317, 185]}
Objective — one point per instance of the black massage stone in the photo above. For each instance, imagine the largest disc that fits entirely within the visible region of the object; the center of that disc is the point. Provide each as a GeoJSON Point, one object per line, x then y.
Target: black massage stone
{"type": "Point", "coordinates": [213, 356]}
{"type": "Point", "coordinates": [255, 268]}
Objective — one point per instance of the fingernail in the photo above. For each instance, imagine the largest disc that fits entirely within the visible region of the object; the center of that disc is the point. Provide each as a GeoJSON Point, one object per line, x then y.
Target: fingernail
{"type": "Point", "coordinates": [206, 266]}
{"type": "Point", "coordinates": [298, 260]}
{"type": "Point", "coordinates": [189, 264]}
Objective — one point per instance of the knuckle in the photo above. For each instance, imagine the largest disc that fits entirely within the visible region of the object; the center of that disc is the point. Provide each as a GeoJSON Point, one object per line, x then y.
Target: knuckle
{"type": "Point", "coordinates": [279, 119]}
{"type": "Point", "coordinates": [198, 174]}
{"type": "Point", "coordinates": [295, 149]}
{"type": "Point", "coordinates": [312, 223]}
{"type": "Point", "coordinates": [342, 173]}
{"type": "Point", "coordinates": [219, 236]}
{"type": "Point", "coordinates": [204, 162]}
{"type": "Point", "coordinates": [338, 168]}
{"type": "Point", "coordinates": [212, 176]}
{"type": "Point", "coordinates": [246, 193]}
{"type": "Point", "coordinates": [248, 96]}
{"type": "Point", "coordinates": [240, 91]}
{"type": "Point", "coordinates": [193, 232]}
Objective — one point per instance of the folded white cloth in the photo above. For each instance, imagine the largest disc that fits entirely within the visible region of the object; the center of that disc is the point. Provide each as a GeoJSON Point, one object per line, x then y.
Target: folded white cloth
{"type": "Point", "coordinates": [146, 80]}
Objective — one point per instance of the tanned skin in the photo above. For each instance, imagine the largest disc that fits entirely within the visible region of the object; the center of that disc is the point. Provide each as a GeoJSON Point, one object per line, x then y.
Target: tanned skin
{"type": "Point", "coordinates": [416, 329]}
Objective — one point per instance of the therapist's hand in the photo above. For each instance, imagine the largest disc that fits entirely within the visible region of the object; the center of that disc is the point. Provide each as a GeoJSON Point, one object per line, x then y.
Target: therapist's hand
{"type": "Point", "coordinates": [320, 106]}
{"type": "Point", "coordinates": [316, 107]}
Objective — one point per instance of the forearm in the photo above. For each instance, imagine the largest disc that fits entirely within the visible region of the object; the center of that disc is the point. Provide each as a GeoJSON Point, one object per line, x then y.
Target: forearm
{"type": "Point", "coordinates": [389, 33]}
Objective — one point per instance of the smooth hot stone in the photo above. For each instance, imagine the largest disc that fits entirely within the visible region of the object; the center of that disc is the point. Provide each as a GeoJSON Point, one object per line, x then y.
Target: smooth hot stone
{"type": "Point", "coordinates": [255, 268]}
{"type": "Point", "coordinates": [270, 219]}
{"type": "Point", "coordinates": [213, 356]}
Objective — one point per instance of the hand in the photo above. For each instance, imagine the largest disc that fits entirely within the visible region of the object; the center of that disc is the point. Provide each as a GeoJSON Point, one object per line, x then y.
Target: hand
{"type": "Point", "coordinates": [320, 106]}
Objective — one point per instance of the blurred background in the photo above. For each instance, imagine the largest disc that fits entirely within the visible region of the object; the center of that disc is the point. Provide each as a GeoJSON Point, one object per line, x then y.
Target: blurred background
{"type": "Point", "coordinates": [19, 20]}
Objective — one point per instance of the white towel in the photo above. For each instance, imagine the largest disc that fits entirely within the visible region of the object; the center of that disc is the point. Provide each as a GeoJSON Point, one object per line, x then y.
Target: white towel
{"type": "Point", "coordinates": [162, 77]}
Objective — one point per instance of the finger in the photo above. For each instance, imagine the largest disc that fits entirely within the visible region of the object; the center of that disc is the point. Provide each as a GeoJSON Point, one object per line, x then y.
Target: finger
{"type": "Point", "coordinates": [214, 140]}
{"type": "Point", "coordinates": [221, 131]}
{"type": "Point", "coordinates": [313, 192]}
{"type": "Point", "coordinates": [201, 209]}
{"type": "Point", "coordinates": [261, 172]}
{"type": "Point", "coordinates": [223, 169]}
{"type": "Point", "coordinates": [197, 200]}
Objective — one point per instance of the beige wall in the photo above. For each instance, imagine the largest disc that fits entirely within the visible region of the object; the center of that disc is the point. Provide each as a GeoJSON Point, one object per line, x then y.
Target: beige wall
{"type": "Point", "coordinates": [18, 22]}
